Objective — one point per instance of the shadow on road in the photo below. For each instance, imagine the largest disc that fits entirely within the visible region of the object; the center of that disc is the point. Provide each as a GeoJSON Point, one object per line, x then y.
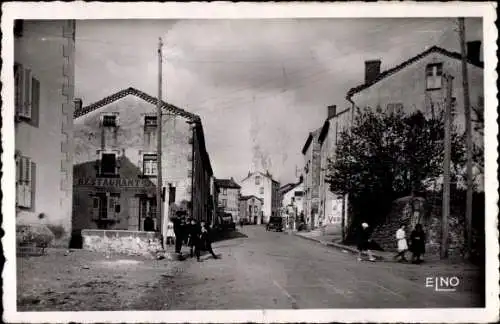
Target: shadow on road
{"type": "Point", "coordinates": [223, 236]}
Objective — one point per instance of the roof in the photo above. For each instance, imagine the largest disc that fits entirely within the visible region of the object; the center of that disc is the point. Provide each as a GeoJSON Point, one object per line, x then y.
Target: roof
{"type": "Point", "coordinates": [309, 139]}
{"type": "Point", "coordinates": [139, 94]}
{"type": "Point", "coordinates": [289, 186]}
{"type": "Point", "coordinates": [251, 196]}
{"type": "Point", "coordinates": [326, 126]}
{"type": "Point", "coordinates": [433, 49]}
{"type": "Point", "coordinates": [227, 183]}
{"type": "Point", "coordinates": [267, 175]}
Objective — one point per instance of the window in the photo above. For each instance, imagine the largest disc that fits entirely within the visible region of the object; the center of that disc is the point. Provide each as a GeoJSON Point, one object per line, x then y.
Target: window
{"type": "Point", "coordinates": [394, 108]}
{"type": "Point", "coordinates": [150, 121]}
{"type": "Point", "coordinates": [150, 130]}
{"type": "Point", "coordinates": [150, 164]}
{"type": "Point", "coordinates": [27, 94]}
{"type": "Point", "coordinates": [434, 74]}
{"type": "Point", "coordinates": [224, 203]}
{"type": "Point", "coordinates": [224, 191]}
{"type": "Point", "coordinates": [257, 180]}
{"type": "Point", "coordinates": [24, 182]}
{"type": "Point", "coordinates": [109, 120]}
{"type": "Point", "coordinates": [261, 190]}
{"type": "Point", "coordinates": [250, 209]}
{"type": "Point", "coordinates": [108, 164]}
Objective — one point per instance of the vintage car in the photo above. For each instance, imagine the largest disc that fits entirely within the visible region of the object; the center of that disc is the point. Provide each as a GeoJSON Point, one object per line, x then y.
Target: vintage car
{"type": "Point", "coordinates": [275, 224]}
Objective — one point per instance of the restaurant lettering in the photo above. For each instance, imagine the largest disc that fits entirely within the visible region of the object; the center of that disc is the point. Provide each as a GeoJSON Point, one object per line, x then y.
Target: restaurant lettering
{"type": "Point", "coordinates": [112, 182]}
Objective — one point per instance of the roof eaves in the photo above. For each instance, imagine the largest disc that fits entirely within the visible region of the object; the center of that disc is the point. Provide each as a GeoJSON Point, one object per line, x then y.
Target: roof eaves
{"type": "Point", "coordinates": [404, 64]}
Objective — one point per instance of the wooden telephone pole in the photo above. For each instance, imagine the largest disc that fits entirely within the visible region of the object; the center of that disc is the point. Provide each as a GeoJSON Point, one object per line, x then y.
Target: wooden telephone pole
{"type": "Point", "coordinates": [468, 134]}
{"type": "Point", "coordinates": [159, 185]}
{"type": "Point", "coordinates": [446, 169]}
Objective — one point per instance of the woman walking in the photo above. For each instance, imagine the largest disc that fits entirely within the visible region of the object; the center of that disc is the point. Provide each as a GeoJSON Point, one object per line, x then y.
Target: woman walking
{"type": "Point", "coordinates": [417, 239]}
{"type": "Point", "coordinates": [206, 240]}
{"type": "Point", "coordinates": [402, 244]}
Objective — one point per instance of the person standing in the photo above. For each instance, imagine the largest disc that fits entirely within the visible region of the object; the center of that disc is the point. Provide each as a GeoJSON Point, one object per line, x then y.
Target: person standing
{"type": "Point", "coordinates": [364, 243]}
{"type": "Point", "coordinates": [178, 231]}
{"type": "Point", "coordinates": [206, 240]}
{"type": "Point", "coordinates": [170, 233]}
{"type": "Point", "coordinates": [402, 244]}
{"type": "Point", "coordinates": [194, 236]}
{"type": "Point", "coordinates": [417, 240]}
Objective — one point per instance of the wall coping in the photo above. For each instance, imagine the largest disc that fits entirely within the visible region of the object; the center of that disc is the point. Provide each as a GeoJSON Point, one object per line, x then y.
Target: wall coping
{"type": "Point", "coordinates": [108, 233]}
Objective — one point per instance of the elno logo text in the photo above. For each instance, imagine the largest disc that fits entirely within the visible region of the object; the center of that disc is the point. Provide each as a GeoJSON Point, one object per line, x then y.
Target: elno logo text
{"type": "Point", "coordinates": [442, 284]}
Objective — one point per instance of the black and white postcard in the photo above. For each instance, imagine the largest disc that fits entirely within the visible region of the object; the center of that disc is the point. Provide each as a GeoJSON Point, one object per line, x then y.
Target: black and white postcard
{"type": "Point", "coordinates": [249, 162]}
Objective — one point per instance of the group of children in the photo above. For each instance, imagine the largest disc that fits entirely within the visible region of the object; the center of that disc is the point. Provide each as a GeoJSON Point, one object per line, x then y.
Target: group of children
{"type": "Point", "coordinates": [197, 236]}
{"type": "Point", "coordinates": [417, 243]}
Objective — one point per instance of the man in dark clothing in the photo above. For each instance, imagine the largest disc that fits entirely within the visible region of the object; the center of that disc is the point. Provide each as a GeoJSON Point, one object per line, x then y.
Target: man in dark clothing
{"type": "Point", "coordinates": [206, 241]}
{"type": "Point", "coordinates": [417, 243]}
{"type": "Point", "coordinates": [364, 243]}
{"type": "Point", "coordinates": [149, 224]}
{"type": "Point", "coordinates": [179, 233]}
{"type": "Point", "coordinates": [194, 236]}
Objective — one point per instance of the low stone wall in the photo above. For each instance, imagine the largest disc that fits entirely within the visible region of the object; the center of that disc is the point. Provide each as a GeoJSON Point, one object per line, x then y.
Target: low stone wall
{"type": "Point", "coordinates": [123, 242]}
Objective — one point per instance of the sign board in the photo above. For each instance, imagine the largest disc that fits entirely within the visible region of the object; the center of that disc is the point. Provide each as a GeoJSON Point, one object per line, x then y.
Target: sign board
{"type": "Point", "coordinates": [114, 182]}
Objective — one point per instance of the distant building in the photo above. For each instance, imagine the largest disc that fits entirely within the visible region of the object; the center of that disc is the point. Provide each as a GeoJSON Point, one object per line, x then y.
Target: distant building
{"type": "Point", "coordinates": [418, 84]}
{"type": "Point", "coordinates": [311, 175]}
{"type": "Point", "coordinates": [251, 209]}
{"type": "Point", "coordinates": [228, 197]}
{"type": "Point", "coordinates": [262, 185]}
{"type": "Point", "coordinates": [116, 163]}
{"type": "Point", "coordinates": [44, 74]}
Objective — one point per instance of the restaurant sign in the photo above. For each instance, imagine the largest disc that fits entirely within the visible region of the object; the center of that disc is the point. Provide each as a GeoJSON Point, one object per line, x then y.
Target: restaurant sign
{"type": "Point", "coordinates": [114, 182]}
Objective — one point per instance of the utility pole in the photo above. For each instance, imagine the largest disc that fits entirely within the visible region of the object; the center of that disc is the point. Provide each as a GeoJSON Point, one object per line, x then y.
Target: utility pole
{"type": "Point", "coordinates": [446, 170]}
{"type": "Point", "coordinates": [468, 134]}
{"type": "Point", "coordinates": [159, 185]}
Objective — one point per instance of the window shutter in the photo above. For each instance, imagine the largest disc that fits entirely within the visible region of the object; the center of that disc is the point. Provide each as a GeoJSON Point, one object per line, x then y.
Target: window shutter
{"type": "Point", "coordinates": [30, 187]}
{"type": "Point", "coordinates": [19, 84]}
{"type": "Point", "coordinates": [35, 100]}
{"type": "Point", "coordinates": [27, 93]}
{"type": "Point", "coordinates": [141, 163]}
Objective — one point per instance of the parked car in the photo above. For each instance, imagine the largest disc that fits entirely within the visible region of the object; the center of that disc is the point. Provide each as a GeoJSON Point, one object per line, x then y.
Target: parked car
{"type": "Point", "coordinates": [275, 224]}
{"type": "Point", "coordinates": [228, 223]}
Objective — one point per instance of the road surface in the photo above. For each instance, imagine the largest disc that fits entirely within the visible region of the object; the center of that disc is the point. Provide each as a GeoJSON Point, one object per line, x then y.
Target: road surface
{"type": "Point", "coordinates": [268, 270]}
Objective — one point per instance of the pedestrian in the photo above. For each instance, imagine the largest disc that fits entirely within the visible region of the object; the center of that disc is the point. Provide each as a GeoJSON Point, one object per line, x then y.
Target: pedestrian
{"type": "Point", "coordinates": [178, 231]}
{"type": "Point", "coordinates": [149, 224]}
{"type": "Point", "coordinates": [206, 239]}
{"type": "Point", "coordinates": [364, 242]}
{"type": "Point", "coordinates": [402, 244]}
{"type": "Point", "coordinates": [170, 235]}
{"type": "Point", "coordinates": [417, 243]}
{"type": "Point", "coordinates": [194, 236]}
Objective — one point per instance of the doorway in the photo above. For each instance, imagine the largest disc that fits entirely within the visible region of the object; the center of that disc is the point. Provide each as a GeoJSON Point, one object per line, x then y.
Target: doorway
{"type": "Point", "coordinates": [147, 207]}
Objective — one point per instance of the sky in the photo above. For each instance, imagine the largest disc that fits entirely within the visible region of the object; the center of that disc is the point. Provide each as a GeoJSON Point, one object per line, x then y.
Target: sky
{"type": "Point", "coordinates": [259, 86]}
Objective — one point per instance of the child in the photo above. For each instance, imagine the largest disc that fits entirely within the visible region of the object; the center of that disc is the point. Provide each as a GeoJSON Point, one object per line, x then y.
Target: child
{"type": "Point", "coordinates": [402, 244]}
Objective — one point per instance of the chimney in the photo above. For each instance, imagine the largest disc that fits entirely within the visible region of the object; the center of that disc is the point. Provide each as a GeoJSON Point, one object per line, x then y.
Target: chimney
{"type": "Point", "coordinates": [474, 51]}
{"type": "Point", "coordinates": [332, 111]}
{"type": "Point", "coordinates": [372, 70]}
{"type": "Point", "coordinates": [78, 103]}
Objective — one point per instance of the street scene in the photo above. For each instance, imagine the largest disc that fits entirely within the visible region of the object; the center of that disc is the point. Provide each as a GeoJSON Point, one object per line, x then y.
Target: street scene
{"type": "Point", "coordinates": [250, 164]}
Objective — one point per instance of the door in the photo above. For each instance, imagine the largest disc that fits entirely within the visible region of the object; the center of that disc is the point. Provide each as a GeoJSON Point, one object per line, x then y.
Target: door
{"type": "Point", "coordinates": [147, 207]}
{"type": "Point", "coordinates": [133, 220]}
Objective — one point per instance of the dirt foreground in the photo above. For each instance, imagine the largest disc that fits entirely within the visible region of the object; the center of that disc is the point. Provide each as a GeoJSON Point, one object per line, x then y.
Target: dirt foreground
{"type": "Point", "coordinates": [90, 281]}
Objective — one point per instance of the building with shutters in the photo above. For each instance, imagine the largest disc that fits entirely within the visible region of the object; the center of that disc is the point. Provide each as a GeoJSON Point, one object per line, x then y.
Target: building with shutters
{"type": "Point", "coordinates": [228, 197]}
{"type": "Point", "coordinates": [115, 170]}
{"type": "Point", "coordinates": [44, 64]}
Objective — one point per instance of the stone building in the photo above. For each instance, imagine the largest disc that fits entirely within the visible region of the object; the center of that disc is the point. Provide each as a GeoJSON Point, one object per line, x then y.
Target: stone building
{"type": "Point", "coordinates": [311, 175]}
{"type": "Point", "coordinates": [251, 209]}
{"type": "Point", "coordinates": [418, 84]}
{"type": "Point", "coordinates": [115, 163]}
{"type": "Point", "coordinates": [228, 197]}
{"type": "Point", "coordinates": [262, 185]}
{"type": "Point", "coordinates": [44, 72]}
{"type": "Point", "coordinates": [333, 208]}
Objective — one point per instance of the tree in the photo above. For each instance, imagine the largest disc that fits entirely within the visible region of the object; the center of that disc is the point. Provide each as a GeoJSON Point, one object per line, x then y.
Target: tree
{"type": "Point", "coordinates": [386, 156]}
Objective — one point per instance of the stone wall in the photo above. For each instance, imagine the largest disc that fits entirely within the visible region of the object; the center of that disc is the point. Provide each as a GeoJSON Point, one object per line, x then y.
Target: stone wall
{"type": "Point", "coordinates": [123, 242]}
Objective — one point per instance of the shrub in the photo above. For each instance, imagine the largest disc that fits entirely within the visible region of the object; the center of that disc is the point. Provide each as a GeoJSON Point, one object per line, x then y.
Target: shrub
{"type": "Point", "coordinates": [33, 235]}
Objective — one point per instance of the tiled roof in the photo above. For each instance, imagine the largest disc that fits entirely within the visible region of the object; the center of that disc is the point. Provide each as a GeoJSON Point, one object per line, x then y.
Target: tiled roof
{"type": "Point", "coordinates": [290, 186]}
{"type": "Point", "coordinates": [227, 183]}
{"type": "Point", "coordinates": [248, 197]}
{"type": "Point", "coordinates": [267, 175]}
{"type": "Point", "coordinates": [134, 92]}
{"type": "Point", "coordinates": [433, 49]}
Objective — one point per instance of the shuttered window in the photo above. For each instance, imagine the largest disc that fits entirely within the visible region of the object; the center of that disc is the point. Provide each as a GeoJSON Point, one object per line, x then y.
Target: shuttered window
{"type": "Point", "coordinates": [434, 75]}
{"type": "Point", "coordinates": [25, 170]}
{"type": "Point", "coordinates": [27, 94]}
